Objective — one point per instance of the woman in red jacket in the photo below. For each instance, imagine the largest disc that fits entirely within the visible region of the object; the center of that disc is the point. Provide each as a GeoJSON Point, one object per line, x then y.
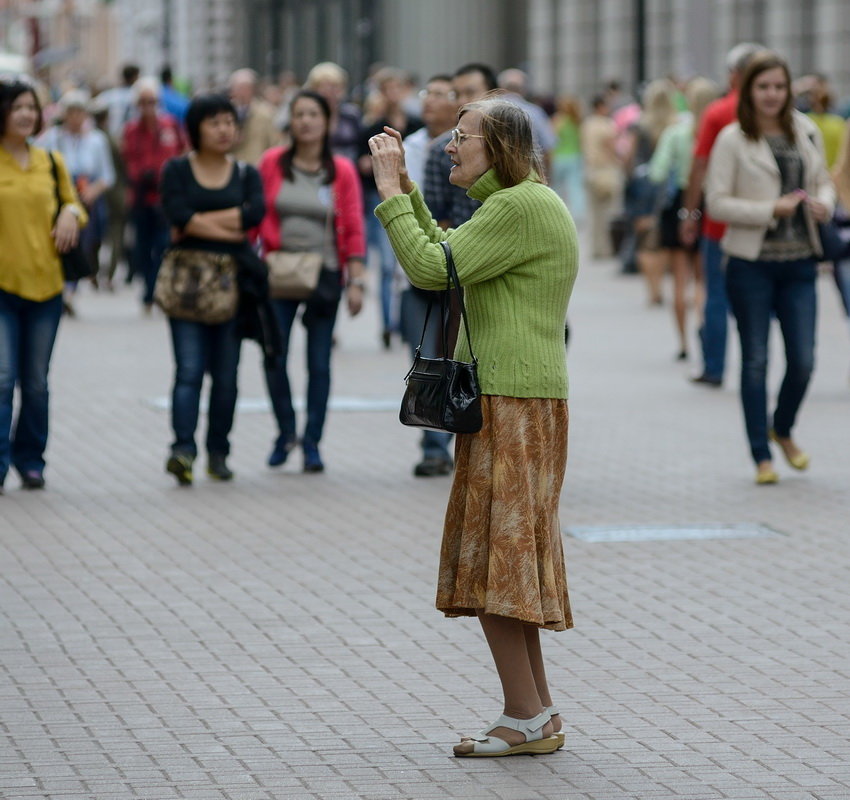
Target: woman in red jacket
{"type": "Point", "coordinates": [313, 204]}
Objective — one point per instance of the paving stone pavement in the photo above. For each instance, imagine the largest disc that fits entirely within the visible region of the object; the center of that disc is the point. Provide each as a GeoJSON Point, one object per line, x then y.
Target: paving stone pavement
{"type": "Point", "coordinates": [275, 638]}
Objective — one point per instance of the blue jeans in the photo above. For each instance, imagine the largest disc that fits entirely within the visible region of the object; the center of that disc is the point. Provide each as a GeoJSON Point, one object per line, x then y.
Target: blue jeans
{"type": "Point", "coordinates": [27, 333]}
{"type": "Point", "coordinates": [319, 321]}
{"type": "Point", "coordinates": [376, 237]}
{"type": "Point", "coordinates": [842, 281]}
{"type": "Point", "coordinates": [151, 231]}
{"type": "Point", "coordinates": [712, 334]}
{"type": "Point", "coordinates": [435, 444]}
{"type": "Point", "coordinates": [758, 290]}
{"type": "Point", "coordinates": [199, 349]}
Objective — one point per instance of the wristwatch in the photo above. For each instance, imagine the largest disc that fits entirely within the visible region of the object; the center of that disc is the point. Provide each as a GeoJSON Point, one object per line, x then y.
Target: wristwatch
{"type": "Point", "coordinates": [684, 214]}
{"type": "Point", "coordinates": [73, 209]}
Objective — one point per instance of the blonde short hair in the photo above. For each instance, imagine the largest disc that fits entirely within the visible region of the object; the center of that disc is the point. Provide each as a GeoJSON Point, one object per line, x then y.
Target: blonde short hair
{"type": "Point", "coordinates": [326, 71]}
{"type": "Point", "coordinates": [699, 93]}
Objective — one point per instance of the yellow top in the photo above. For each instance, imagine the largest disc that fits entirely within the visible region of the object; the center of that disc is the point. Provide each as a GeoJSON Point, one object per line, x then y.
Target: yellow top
{"type": "Point", "coordinates": [29, 264]}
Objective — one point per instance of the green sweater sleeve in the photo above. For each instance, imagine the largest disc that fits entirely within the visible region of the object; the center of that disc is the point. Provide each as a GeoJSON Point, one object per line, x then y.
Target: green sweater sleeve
{"type": "Point", "coordinates": [426, 222]}
{"type": "Point", "coordinates": [483, 248]}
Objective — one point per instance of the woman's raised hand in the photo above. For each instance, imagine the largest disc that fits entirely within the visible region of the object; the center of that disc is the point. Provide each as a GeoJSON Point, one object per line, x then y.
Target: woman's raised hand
{"type": "Point", "coordinates": [388, 165]}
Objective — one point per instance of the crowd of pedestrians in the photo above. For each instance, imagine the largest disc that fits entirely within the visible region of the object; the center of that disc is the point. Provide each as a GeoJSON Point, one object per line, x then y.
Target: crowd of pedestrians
{"type": "Point", "coordinates": [246, 208]}
{"type": "Point", "coordinates": [632, 171]}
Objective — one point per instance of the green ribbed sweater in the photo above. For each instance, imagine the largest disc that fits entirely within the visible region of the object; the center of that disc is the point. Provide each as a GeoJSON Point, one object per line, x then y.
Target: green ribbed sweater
{"type": "Point", "coordinates": [517, 259]}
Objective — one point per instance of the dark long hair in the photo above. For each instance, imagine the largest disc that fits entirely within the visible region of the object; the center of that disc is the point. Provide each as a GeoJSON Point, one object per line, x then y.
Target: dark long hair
{"type": "Point", "coordinates": [327, 154]}
{"type": "Point", "coordinates": [9, 92]}
{"type": "Point", "coordinates": [759, 63]}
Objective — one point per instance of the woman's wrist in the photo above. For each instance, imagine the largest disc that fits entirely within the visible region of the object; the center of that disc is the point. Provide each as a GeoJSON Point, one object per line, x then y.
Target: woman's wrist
{"type": "Point", "coordinates": [355, 269]}
{"type": "Point", "coordinates": [389, 189]}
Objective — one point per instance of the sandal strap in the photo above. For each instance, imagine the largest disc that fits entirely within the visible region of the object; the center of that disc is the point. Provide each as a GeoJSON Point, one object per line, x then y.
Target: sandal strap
{"type": "Point", "coordinates": [553, 711]}
{"type": "Point", "coordinates": [532, 728]}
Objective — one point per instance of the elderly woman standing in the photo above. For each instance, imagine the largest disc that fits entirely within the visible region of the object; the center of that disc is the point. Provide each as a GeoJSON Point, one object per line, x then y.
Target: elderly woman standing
{"type": "Point", "coordinates": [767, 179]}
{"type": "Point", "coordinates": [517, 258]}
{"type": "Point", "coordinates": [33, 232]}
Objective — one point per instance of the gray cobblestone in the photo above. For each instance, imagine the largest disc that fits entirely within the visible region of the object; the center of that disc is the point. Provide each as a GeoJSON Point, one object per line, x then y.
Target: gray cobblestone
{"type": "Point", "coordinates": [274, 639]}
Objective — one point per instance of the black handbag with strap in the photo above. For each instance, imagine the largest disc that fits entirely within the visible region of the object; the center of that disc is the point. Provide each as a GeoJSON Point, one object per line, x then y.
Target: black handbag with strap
{"type": "Point", "coordinates": [443, 394]}
{"type": "Point", "coordinates": [75, 263]}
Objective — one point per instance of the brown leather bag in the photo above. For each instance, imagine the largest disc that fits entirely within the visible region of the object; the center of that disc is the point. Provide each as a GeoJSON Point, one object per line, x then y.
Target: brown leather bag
{"type": "Point", "coordinates": [197, 285]}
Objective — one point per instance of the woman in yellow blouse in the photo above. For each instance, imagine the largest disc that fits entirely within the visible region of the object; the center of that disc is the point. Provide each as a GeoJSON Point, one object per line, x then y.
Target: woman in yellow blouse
{"type": "Point", "coordinates": [33, 236]}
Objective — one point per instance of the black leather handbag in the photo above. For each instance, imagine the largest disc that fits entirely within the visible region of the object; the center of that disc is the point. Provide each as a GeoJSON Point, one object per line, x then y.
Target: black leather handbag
{"type": "Point", "coordinates": [835, 247]}
{"type": "Point", "coordinates": [443, 394]}
{"type": "Point", "coordinates": [75, 263]}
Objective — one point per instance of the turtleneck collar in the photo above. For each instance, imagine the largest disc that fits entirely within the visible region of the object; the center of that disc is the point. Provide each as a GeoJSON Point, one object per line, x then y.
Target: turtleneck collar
{"type": "Point", "coordinates": [488, 183]}
{"type": "Point", "coordinates": [485, 186]}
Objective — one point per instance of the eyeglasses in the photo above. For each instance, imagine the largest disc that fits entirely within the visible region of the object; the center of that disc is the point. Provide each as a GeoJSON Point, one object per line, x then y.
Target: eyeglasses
{"type": "Point", "coordinates": [449, 95]}
{"type": "Point", "coordinates": [459, 137]}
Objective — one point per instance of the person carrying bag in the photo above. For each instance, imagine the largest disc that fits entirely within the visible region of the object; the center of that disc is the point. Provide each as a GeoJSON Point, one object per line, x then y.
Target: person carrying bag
{"type": "Point", "coordinates": [211, 202]}
{"type": "Point", "coordinates": [313, 240]}
{"type": "Point", "coordinates": [501, 558]}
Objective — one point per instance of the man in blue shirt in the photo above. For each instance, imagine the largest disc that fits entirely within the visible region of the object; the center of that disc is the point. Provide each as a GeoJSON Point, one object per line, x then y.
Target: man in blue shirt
{"type": "Point", "coordinates": [170, 99]}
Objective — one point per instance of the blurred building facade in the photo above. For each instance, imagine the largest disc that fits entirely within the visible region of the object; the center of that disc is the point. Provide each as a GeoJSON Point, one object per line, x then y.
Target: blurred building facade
{"type": "Point", "coordinates": [575, 45]}
{"type": "Point", "coordinates": [203, 42]}
{"type": "Point", "coordinates": [63, 41]}
{"type": "Point", "coordinates": [567, 46]}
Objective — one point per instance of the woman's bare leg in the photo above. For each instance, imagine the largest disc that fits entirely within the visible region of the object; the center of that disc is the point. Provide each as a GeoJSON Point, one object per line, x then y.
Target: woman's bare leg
{"type": "Point", "coordinates": [681, 274]}
{"type": "Point", "coordinates": [653, 263]}
{"type": "Point", "coordinates": [506, 639]}
{"type": "Point", "coordinates": [535, 657]}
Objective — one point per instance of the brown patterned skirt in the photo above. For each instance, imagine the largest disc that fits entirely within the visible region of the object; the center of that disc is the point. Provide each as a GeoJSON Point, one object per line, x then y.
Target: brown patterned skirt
{"type": "Point", "coordinates": [502, 546]}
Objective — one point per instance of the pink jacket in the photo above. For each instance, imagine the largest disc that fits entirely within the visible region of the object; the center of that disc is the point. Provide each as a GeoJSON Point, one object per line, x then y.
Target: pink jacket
{"type": "Point", "coordinates": [348, 206]}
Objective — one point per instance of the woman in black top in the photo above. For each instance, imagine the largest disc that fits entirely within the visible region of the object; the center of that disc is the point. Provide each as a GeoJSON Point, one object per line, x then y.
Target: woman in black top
{"type": "Point", "coordinates": [210, 202]}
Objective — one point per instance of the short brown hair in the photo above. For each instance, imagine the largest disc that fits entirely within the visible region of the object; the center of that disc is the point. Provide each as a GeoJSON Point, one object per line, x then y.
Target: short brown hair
{"type": "Point", "coordinates": [506, 129]}
{"type": "Point", "coordinates": [759, 63]}
{"type": "Point", "coordinates": [9, 92]}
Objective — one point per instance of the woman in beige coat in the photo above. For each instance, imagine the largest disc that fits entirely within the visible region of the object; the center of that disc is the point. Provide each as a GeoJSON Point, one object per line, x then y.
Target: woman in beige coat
{"type": "Point", "coordinates": [767, 179]}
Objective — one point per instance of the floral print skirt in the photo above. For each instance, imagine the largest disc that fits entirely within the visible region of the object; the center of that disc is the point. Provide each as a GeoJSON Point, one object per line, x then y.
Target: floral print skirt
{"type": "Point", "coordinates": [502, 549]}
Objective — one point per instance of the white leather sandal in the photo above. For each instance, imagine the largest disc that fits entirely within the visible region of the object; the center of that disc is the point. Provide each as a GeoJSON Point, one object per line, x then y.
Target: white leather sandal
{"type": "Point", "coordinates": [553, 711]}
{"type": "Point", "coordinates": [487, 746]}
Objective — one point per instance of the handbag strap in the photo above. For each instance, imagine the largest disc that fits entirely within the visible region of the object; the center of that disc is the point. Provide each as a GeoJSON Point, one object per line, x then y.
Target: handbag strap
{"type": "Point", "coordinates": [453, 278]}
{"type": "Point", "coordinates": [54, 171]}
